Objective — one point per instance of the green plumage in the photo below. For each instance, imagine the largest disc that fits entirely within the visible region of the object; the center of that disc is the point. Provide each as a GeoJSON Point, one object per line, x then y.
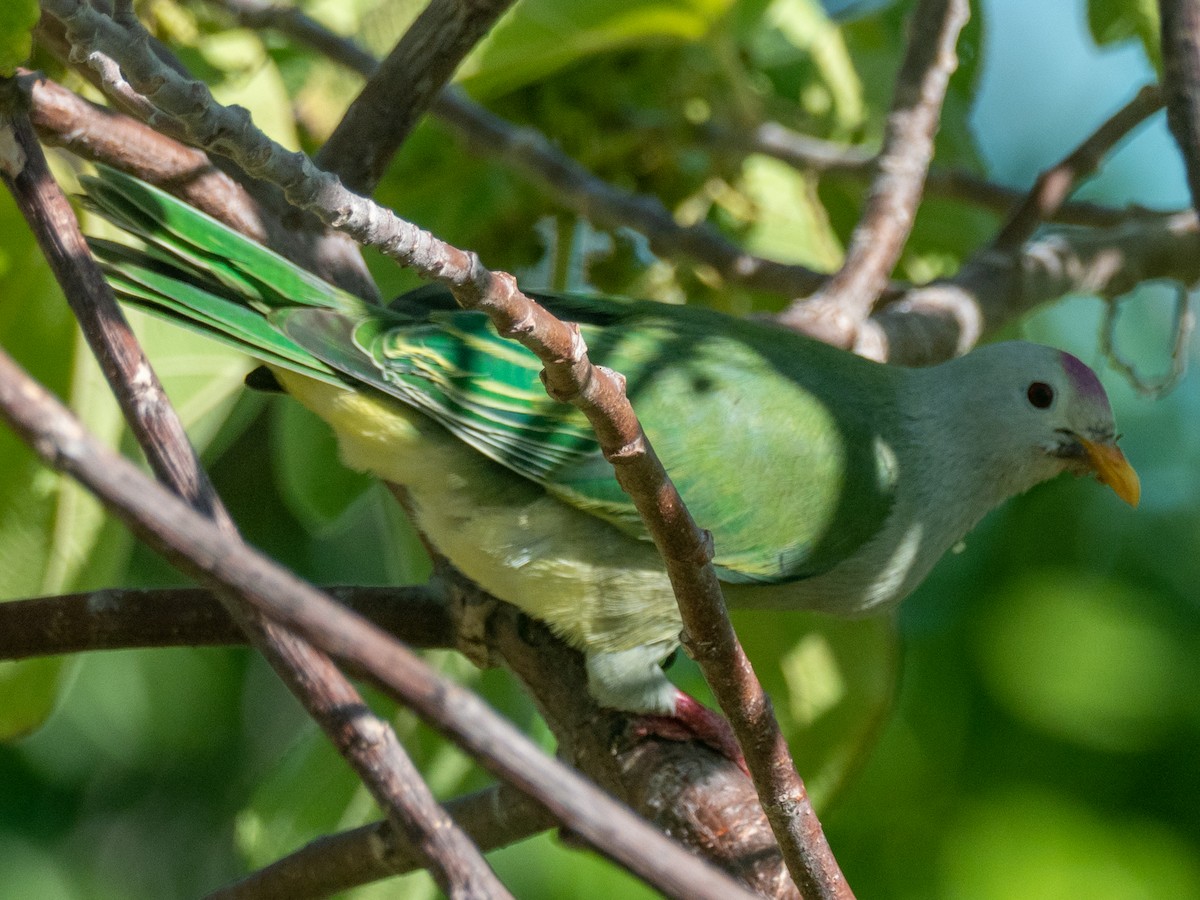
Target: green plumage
{"type": "Point", "coordinates": [818, 473]}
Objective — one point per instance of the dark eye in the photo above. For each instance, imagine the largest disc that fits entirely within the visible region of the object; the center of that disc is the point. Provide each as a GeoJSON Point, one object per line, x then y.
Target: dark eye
{"type": "Point", "coordinates": [1040, 394]}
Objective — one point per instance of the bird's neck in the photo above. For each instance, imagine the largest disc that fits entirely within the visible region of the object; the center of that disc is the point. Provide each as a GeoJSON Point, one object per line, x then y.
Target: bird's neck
{"type": "Point", "coordinates": [959, 477]}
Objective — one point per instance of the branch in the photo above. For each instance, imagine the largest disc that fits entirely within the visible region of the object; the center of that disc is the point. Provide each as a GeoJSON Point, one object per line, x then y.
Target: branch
{"type": "Point", "coordinates": [571, 185]}
{"type": "Point", "coordinates": [687, 789]}
{"type": "Point", "coordinates": [402, 87]}
{"type": "Point", "coordinates": [494, 817]}
{"type": "Point", "coordinates": [1055, 184]}
{"type": "Point", "coordinates": [222, 562]}
{"type": "Point", "coordinates": [366, 741]}
{"type": "Point", "coordinates": [1181, 82]}
{"type": "Point", "coordinates": [928, 324]}
{"type": "Point", "coordinates": [568, 374]}
{"type": "Point", "coordinates": [835, 313]}
{"type": "Point", "coordinates": [115, 619]}
{"type": "Point", "coordinates": [1184, 323]}
{"type": "Point", "coordinates": [701, 799]}
{"type": "Point", "coordinates": [64, 119]}
{"type": "Point", "coordinates": [811, 154]}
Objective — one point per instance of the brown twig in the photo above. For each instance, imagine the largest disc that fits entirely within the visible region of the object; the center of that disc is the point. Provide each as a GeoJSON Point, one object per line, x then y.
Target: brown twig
{"type": "Point", "coordinates": [810, 154]}
{"type": "Point", "coordinates": [494, 817]}
{"type": "Point", "coordinates": [222, 562]}
{"type": "Point", "coordinates": [255, 208]}
{"type": "Point", "coordinates": [1180, 32]}
{"type": "Point", "coordinates": [570, 183]}
{"type": "Point", "coordinates": [835, 313]}
{"type": "Point", "coordinates": [115, 619]}
{"type": "Point", "coordinates": [402, 87]}
{"type": "Point", "coordinates": [1184, 323]}
{"type": "Point", "coordinates": [1055, 184]}
{"type": "Point", "coordinates": [366, 741]}
{"type": "Point", "coordinates": [931, 323]}
{"type": "Point", "coordinates": [64, 119]}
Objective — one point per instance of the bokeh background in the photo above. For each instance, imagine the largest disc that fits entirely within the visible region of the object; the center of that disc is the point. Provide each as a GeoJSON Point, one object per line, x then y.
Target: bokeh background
{"type": "Point", "coordinates": [1026, 727]}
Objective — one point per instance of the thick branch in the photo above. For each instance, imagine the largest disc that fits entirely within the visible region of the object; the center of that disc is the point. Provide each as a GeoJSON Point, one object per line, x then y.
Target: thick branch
{"type": "Point", "coordinates": [223, 562]}
{"type": "Point", "coordinates": [117, 619]}
{"type": "Point", "coordinates": [494, 817]}
{"type": "Point", "coordinates": [402, 87]}
{"type": "Point", "coordinates": [834, 314]}
{"type": "Point", "coordinates": [1181, 81]}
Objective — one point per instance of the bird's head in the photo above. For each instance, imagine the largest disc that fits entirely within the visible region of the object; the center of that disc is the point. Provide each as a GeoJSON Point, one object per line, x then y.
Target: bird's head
{"type": "Point", "coordinates": [1046, 412]}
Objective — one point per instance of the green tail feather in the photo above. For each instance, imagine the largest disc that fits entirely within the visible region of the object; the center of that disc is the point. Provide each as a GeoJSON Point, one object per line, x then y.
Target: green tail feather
{"type": "Point", "coordinates": [198, 273]}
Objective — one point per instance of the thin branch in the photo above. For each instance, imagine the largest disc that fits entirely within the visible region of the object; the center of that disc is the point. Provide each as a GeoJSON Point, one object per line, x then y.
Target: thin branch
{"type": "Point", "coordinates": [115, 619]}
{"type": "Point", "coordinates": [366, 741]}
{"type": "Point", "coordinates": [403, 86]}
{"type": "Point", "coordinates": [1180, 31]}
{"type": "Point", "coordinates": [1055, 184]}
{"type": "Point", "coordinates": [255, 208]}
{"type": "Point", "coordinates": [222, 562]}
{"type": "Point", "coordinates": [811, 154]}
{"type": "Point", "coordinates": [64, 119]}
{"type": "Point", "coordinates": [571, 185]}
{"type": "Point", "coordinates": [494, 817]}
{"type": "Point", "coordinates": [836, 311]}
{"type": "Point", "coordinates": [931, 323]}
{"type": "Point", "coordinates": [1183, 324]}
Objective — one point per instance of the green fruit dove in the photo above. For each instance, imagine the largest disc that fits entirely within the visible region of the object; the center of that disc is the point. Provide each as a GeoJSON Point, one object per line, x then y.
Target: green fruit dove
{"type": "Point", "coordinates": [829, 482]}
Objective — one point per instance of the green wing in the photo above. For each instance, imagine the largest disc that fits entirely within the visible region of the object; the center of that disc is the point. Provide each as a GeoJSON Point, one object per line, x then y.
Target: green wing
{"type": "Point", "coordinates": [780, 446]}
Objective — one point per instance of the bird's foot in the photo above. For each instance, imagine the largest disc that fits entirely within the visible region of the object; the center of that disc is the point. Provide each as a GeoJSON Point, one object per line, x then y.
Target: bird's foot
{"type": "Point", "coordinates": [693, 721]}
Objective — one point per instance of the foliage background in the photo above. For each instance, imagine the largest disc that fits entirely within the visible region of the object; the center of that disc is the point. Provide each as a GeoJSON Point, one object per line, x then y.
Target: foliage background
{"type": "Point", "coordinates": [1042, 738]}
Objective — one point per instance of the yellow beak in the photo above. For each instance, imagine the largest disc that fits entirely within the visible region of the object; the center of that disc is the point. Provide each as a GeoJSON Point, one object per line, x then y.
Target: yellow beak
{"type": "Point", "coordinates": [1113, 469]}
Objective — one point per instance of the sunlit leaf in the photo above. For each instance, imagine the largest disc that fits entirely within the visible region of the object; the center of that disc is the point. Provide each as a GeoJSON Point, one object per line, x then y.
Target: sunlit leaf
{"type": "Point", "coordinates": [538, 37]}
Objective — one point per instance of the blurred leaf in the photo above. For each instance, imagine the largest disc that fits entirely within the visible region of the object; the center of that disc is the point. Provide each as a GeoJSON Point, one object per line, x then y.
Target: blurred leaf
{"type": "Point", "coordinates": [312, 479]}
{"type": "Point", "coordinates": [1062, 849]}
{"type": "Point", "coordinates": [797, 35]}
{"type": "Point", "coordinates": [1112, 21]}
{"type": "Point", "coordinates": [1085, 659]}
{"type": "Point", "coordinates": [28, 692]}
{"type": "Point", "coordinates": [538, 37]}
{"type": "Point", "coordinates": [17, 18]}
{"type": "Point", "coordinates": [833, 683]}
{"type": "Point", "coordinates": [786, 219]}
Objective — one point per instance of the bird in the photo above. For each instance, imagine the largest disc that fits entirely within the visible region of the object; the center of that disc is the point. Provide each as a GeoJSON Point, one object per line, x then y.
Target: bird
{"type": "Point", "coordinates": [827, 481]}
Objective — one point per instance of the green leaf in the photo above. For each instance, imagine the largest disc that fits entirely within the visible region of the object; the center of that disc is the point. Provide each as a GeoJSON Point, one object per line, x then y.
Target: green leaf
{"type": "Point", "coordinates": [54, 536]}
{"type": "Point", "coordinates": [538, 37]}
{"type": "Point", "coordinates": [17, 18]}
{"type": "Point", "coordinates": [1112, 21]}
{"type": "Point", "coordinates": [29, 691]}
{"type": "Point", "coordinates": [788, 221]}
{"type": "Point", "coordinates": [315, 484]}
{"type": "Point", "coordinates": [833, 683]}
{"type": "Point", "coordinates": [1086, 659]}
